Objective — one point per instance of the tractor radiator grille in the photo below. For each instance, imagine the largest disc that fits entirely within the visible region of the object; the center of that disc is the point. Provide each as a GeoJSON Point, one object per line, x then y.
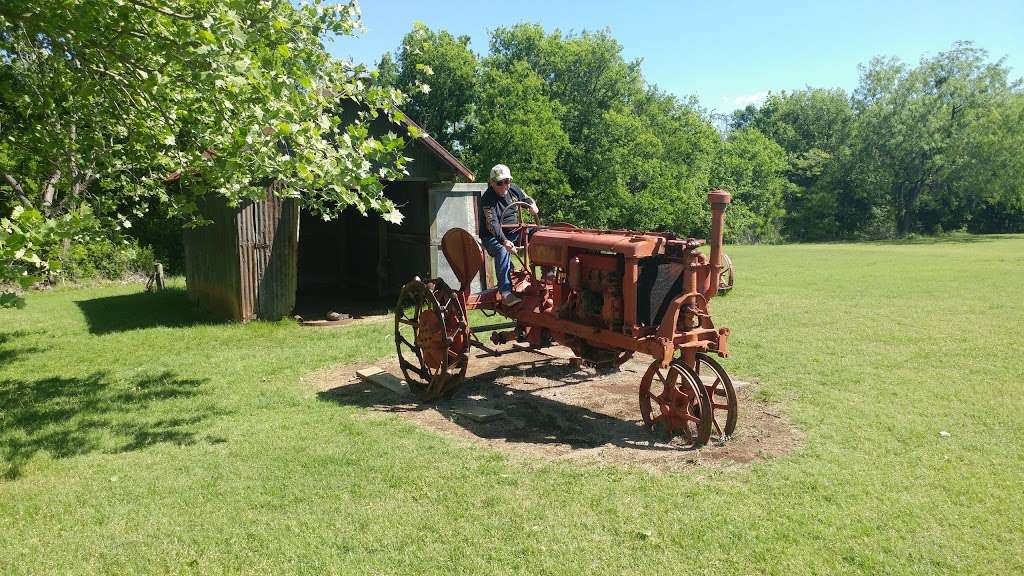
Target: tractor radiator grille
{"type": "Point", "coordinates": [659, 283]}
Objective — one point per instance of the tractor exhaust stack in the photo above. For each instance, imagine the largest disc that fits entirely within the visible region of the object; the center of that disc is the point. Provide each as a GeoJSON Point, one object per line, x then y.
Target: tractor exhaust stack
{"type": "Point", "coordinates": [719, 200]}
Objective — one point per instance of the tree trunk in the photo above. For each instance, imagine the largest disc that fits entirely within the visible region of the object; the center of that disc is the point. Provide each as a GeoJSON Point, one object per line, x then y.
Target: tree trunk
{"type": "Point", "coordinates": [18, 191]}
{"type": "Point", "coordinates": [904, 222]}
{"type": "Point", "coordinates": [48, 192]}
{"type": "Point", "coordinates": [75, 189]}
{"type": "Point", "coordinates": [899, 209]}
{"type": "Point", "coordinates": [910, 207]}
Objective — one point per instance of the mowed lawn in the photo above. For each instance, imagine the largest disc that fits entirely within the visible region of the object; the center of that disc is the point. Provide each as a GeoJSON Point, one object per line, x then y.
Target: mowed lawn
{"type": "Point", "coordinates": [135, 438]}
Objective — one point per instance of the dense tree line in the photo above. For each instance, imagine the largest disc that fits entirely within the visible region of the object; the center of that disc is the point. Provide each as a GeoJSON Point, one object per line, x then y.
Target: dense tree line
{"type": "Point", "coordinates": [914, 149]}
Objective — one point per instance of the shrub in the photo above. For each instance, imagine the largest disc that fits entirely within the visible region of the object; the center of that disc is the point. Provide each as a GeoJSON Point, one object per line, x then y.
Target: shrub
{"type": "Point", "coordinates": [104, 258]}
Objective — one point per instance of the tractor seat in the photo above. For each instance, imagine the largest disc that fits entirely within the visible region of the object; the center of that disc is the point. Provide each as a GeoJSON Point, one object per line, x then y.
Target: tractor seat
{"type": "Point", "coordinates": [465, 256]}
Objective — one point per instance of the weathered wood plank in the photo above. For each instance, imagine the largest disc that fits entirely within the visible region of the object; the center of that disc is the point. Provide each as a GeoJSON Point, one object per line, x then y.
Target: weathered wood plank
{"type": "Point", "coordinates": [385, 380]}
{"type": "Point", "coordinates": [475, 412]}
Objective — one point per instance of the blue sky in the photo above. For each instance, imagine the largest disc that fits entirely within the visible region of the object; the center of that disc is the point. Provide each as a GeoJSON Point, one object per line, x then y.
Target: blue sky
{"type": "Point", "coordinates": [726, 53]}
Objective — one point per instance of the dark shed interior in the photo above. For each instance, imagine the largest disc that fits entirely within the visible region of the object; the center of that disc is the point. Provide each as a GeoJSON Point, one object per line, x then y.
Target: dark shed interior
{"type": "Point", "coordinates": [356, 264]}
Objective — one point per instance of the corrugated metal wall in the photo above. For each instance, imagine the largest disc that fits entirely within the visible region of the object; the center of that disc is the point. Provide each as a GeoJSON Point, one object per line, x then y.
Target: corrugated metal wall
{"type": "Point", "coordinates": [242, 266]}
{"type": "Point", "coordinates": [268, 236]}
{"type": "Point", "coordinates": [211, 261]}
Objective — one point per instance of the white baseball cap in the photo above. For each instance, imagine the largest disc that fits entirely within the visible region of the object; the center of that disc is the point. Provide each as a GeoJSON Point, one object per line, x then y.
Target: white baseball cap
{"type": "Point", "coordinates": [500, 172]}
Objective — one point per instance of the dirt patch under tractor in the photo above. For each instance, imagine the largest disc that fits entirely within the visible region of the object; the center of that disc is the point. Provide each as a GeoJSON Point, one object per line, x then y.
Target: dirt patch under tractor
{"type": "Point", "coordinates": [555, 410]}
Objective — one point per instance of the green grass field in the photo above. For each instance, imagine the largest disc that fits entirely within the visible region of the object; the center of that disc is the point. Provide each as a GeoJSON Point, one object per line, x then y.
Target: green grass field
{"type": "Point", "coordinates": [135, 438]}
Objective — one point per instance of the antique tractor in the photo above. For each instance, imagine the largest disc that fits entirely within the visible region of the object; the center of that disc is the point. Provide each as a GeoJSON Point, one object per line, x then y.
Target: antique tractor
{"type": "Point", "coordinates": [604, 294]}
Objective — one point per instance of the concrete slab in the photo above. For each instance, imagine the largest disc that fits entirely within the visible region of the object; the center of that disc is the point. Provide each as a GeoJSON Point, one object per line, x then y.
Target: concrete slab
{"type": "Point", "coordinates": [327, 323]}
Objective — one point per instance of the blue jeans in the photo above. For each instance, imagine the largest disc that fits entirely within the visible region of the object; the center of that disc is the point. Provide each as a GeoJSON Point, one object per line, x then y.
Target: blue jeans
{"type": "Point", "coordinates": [502, 260]}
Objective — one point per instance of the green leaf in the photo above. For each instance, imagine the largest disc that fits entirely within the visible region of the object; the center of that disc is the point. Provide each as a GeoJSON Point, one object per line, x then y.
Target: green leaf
{"type": "Point", "coordinates": [394, 216]}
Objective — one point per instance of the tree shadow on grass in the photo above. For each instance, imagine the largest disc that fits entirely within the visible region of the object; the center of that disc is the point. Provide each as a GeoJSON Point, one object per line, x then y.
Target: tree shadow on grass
{"type": "Point", "coordinates": [8, 351]}
{"type": "Point", "coordinates": [66, 417]}
{"type": "Point", "coordinates": [169, 308]}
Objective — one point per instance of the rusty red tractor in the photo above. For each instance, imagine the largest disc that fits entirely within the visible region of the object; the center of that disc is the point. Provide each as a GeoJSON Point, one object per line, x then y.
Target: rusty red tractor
{"type": "Point", "coordinates": [604, 294]}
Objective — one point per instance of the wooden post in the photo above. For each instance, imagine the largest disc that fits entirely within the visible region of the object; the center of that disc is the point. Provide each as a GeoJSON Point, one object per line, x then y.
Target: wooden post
{"type": "Point", "coordinates": [156, 279]}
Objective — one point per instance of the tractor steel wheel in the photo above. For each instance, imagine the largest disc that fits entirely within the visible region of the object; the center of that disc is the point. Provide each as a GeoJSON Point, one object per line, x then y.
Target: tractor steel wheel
{"type": "Point", "coordinates": [432, 339]}
{"type": "Point", "coordinates": [727, 276]}
{"type": "Point", "coordinates": [673, 401]}
{"type": "Point", "coordinates": [724, 406]}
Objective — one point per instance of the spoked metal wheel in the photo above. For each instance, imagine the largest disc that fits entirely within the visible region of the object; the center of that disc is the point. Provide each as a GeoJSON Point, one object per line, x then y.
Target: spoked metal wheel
{"type": "Point", "coordinates": [672, 401]}
{"type": "Point", "coordinates": [432, 339]}
{"type": "Point", "coordinates": [728, 275]}
{"type": "Point", "coordinates": [724, 406]}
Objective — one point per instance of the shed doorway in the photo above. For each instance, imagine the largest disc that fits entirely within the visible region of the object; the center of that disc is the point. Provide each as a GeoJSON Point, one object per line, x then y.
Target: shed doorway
{"type": "Point", "coordinates": [355, 265]}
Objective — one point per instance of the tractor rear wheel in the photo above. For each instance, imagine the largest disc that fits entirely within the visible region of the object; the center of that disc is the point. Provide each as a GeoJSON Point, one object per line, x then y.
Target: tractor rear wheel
{"type": "Point", "coordinates": [431, 338]}
{"type": "Point", "coordinates": [727, 277]}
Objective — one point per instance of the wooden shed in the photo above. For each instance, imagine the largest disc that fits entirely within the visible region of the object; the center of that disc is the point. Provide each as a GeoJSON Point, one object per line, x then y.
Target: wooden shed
{"type": "Point", "coordinates": [265, 260]}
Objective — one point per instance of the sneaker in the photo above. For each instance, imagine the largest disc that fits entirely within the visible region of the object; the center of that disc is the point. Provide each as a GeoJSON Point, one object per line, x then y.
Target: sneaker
{"type": "Point", "coordinates": [510, 299]}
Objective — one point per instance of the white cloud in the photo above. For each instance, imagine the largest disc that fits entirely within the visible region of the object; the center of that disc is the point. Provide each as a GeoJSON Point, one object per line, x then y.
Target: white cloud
{"type": "Point", "coordinates": [734, 102]}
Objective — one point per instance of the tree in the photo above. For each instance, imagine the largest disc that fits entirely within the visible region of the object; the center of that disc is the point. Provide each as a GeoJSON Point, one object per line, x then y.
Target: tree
{"type": "Point", "coordinates": [116, 101]}
{"type": "Point", "coordinates": [752, 167]}
{"type": "Point", "coordinates": [439, 73]}
{"type": "Point", "coordinates": [742, 117]}
{"type": "Point", "coordinates": [813, 126]}
{"type": "Point", "coordinates": [635, 157]}
{"type": "Point", "coordinates": [804, 120]}
{"type": "Point", "coordinates": [587, 75]}
{"type": "Point", "coordinates": [690, 144]}
{"type": "Point", "coordinates": [997, 172]}
{"type": "Point", "coordinates": [919, 130]}
{"type": "Point", "coordinates": [519, 126]}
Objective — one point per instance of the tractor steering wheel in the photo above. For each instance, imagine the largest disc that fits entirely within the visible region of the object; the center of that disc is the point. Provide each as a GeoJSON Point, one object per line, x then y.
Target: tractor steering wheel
{"type": "Point", "coordinates": [521, 226]}
{"type": "Point", "coordinates": [520, 230]}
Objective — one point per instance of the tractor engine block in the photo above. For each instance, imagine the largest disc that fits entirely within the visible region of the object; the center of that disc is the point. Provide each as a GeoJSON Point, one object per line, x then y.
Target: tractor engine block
{"type": "Point", "coordinates": [595, 297]}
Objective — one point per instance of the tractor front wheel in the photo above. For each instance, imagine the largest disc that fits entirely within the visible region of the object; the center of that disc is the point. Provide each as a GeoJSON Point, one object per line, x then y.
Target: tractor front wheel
{"type": "Point", "coordinates": [724, 405]}
{"type": "Point", "coordinates": [672, 401]}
